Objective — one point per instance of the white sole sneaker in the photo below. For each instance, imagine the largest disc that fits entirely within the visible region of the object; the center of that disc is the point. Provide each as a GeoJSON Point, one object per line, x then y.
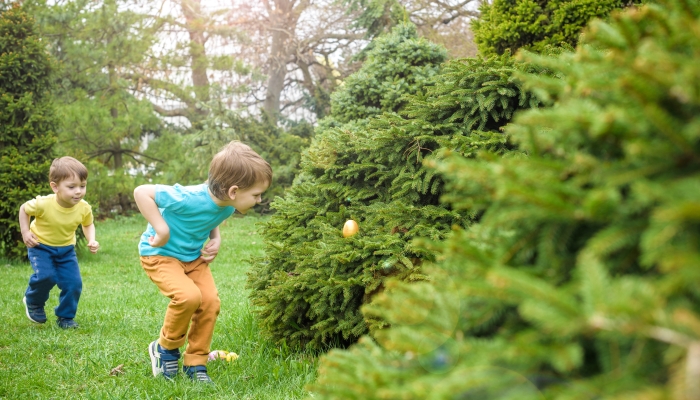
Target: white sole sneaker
{"type": "Point", "coordinates": [153, 352]}
{"type": "Point", "coordinates": [26, 311]}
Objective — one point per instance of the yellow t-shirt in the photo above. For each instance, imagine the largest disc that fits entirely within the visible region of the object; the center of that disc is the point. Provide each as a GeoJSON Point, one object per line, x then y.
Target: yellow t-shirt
{"type": "Point", "coordinates": [54, 225]}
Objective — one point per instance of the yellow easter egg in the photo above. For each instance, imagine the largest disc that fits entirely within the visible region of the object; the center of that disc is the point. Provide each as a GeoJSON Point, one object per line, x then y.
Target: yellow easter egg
{"type": "Point", "coordinates": [221, 354]}
{"type": "Point", "coordinates": [350, 228]}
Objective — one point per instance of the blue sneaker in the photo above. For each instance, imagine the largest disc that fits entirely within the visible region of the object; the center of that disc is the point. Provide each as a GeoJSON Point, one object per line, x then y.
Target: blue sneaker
{"type": "Point", "coordinates": [163, 361]}
{"type": "Point", "coordinates": [34, 313]}
{"type": "Point", "coordinates": [197, 373]}
{"type": "Point", "coordinates": [66, 323]}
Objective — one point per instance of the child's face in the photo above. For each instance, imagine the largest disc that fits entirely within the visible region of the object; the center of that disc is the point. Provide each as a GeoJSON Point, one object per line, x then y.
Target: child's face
{"type": "Point", "coordinates": [69, 191]}
{"type": "Point", "coordinates": [245, 199]}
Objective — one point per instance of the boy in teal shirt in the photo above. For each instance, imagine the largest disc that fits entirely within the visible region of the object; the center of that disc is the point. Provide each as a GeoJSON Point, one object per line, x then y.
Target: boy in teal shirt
{"type": "Point", "coordinates": [173, 252]}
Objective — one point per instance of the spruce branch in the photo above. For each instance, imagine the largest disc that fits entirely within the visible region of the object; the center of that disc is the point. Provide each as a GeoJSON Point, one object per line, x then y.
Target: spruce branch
{"type": "Point", "coordinates": [665, 335]}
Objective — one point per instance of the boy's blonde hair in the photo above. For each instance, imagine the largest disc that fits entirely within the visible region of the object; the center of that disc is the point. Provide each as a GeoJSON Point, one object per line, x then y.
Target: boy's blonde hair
{"type": "Point", "coordinates": [67, 167]}
{"type": "Point", "coordinates": [236, 164]}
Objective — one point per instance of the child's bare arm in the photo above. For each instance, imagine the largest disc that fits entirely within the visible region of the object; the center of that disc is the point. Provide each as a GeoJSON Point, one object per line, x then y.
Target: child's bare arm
{"type": "Point", "coordinates": [211, 249]}
{"type": "Point", "coordinates": [145, 197]}
{"type": "Point", "coordinates": [28, 237]}
{"type": "Point", "coordinates": [89, 232]}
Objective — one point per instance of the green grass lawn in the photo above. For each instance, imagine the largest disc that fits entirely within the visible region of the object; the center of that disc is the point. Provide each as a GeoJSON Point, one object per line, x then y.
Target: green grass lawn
{"type": "Point", "coordinates": [121, 312]}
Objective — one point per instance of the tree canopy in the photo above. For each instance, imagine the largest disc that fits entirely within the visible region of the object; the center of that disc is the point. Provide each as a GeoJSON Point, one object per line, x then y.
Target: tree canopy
{"type": "Point", "coordinates": [27, 121]}
{"type": "Point", "coordinates": [509, 25]}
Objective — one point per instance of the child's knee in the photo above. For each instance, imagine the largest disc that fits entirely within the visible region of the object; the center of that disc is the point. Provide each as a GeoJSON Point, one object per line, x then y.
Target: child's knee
{"type": "Point", "coordinates": [211, 302]}
{"type": "Point", "coordinates": [44, 279]}
{"type": "Point", "coordinates": [72, 286]}
{"type": "Point", "coordinates": [188, 300]}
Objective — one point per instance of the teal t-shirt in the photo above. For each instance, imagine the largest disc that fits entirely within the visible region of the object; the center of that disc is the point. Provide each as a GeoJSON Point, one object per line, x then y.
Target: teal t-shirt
{"type": "Point", "coordinates": [191, 215]}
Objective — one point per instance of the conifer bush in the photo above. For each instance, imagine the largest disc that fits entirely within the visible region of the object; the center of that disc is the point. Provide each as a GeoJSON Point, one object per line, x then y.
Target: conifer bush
{"type": "Point", "coordinates": [509, 25]}
{"type": "Point", "coordinates": [579, 280]}
{"type": "Point", "coordinates": [27, 122]}
{"type": "Point", "coordinates": [367, 166]}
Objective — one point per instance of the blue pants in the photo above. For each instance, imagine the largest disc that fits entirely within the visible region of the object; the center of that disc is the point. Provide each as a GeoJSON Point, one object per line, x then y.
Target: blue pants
{"type": "Point", "coordinates": [55, 266]}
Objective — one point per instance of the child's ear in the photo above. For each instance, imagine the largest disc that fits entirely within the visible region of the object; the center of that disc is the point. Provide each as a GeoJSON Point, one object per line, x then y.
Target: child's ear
{"type": "Point", "coordinates": [232, 192]}
{"type": "Point", "coordinates": [54, 186]}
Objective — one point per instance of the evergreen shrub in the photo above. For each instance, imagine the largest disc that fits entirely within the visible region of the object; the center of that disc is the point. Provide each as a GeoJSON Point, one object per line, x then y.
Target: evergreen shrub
{"type": "Point", "coordinates": [367, 166]}
{"type": "Point", "coordinates": [579, 281]}
{"type": "Point", "coordinates": [27, 122]}
{"type": "Point", "coordinates": [509, 25]}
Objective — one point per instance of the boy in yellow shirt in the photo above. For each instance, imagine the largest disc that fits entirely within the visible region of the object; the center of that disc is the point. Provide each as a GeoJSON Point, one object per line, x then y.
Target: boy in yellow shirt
{"type": "Point", "coordinates": [50, 240]}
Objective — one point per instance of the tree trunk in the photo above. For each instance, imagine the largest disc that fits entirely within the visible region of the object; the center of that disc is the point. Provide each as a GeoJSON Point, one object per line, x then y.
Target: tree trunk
{"type": "Point", "coordinates": [281, 28]}
{"type": "Point", "coordinates": [192, 10]}
{"type": "Point", "coordinates": [116, 152]}
{"type": "Point", "coordinates": [276, 76]}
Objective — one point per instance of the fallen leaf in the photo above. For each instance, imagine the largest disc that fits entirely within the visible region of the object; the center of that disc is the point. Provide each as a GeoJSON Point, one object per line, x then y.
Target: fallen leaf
{"type": "Point", "coordinates": [118, 370]}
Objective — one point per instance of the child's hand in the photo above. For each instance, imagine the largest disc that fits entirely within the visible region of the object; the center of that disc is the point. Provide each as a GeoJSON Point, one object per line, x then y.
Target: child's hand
{"type": "Point", "coordinates": [93, 246]}
{"type": "Point", "coordinates": [210, 250]}
{"type": "Point", "coordinates": [158, 240]}
{"type": "Point", "coordinates": [29, 239]}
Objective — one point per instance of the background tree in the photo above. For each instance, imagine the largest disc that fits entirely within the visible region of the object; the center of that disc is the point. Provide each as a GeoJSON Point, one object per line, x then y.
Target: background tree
{"type": "Point", "coordinates": [309, 47]}
{"type": "Point", "coordinates": [508, 25]}
{"type": "Point", "coordinates": [442, 22]}
{"type": "Point", "coordinates": [603, 200]}
{"type": "Point", "coordinates": [27, 122]}
{"type": "Point", "coordinates": [100, 118]}
{"type": "Point", "coordinates": [304, 48]}
{"type": "Point", "coordinates": [192, 52]}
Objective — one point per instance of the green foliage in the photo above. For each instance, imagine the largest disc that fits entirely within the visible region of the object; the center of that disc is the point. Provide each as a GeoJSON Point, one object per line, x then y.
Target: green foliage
{"type": "Point", "coordinates": [107, 131]}
{"type": "Point", "coordinates": [27, 122]}
{"type": "Point", "coordinates": [579, 280]}
{"type": "Point", "coordinates": [310, 286]}
{"type": "Point", "coordinates": [100, 118]}
{"type": "Point", "coordinates": [376, 16]}
{"type": "Point", "coordinates": [108, 189]}
{"type": "Point", "coordinates": [508, 25]}
{"type": "Point", "coordinates": [394, 67]}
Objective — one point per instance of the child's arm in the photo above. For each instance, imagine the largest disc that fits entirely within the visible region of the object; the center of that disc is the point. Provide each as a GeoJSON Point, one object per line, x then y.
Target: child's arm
{"type": "Point", "coordinates": [89, 232]}
{"type": "Point", "coordinates": [28, 236]}
{"type": "Point", "coordinates": [211, 249]}
{"type": "Point", "coordinates": [145, 197]}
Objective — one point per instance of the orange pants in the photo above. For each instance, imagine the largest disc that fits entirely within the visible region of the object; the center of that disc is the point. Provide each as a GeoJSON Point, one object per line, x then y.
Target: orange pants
{"type": "Point", "coordinates": [194, 303]}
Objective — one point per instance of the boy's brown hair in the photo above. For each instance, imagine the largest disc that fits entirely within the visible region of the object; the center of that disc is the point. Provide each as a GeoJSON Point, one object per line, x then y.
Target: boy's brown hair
{"type": "Point", "coordinates": [236, 164]}
{"type": "Point", "coordinates": [67, 167]}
